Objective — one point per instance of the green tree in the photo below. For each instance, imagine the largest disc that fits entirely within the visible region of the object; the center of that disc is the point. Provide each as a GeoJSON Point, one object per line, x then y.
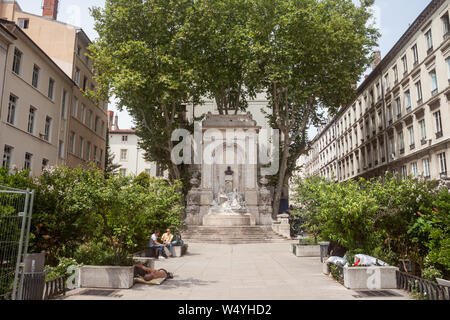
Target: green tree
{"type": "Point", "coordinates": [223, 55]}
{"type": "Point", "coordinates": [142, 58]}
{"type": "Point", "coordinates": [110, 167]}
{"type": "Point", "coordinates": [312, 53]}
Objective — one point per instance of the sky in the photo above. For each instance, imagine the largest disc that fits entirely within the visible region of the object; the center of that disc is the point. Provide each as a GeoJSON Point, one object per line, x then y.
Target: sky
{"type": "Point", "coordinates": [392, 17]}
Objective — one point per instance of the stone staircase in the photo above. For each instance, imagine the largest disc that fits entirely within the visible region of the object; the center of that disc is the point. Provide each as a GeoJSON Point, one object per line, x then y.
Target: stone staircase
{"type": "Point", "coordinates": [231, 235]}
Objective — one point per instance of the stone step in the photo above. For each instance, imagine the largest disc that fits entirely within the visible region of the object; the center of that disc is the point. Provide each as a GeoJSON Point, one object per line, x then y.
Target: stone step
{"type": "Point", "coordinates": [231, 235]}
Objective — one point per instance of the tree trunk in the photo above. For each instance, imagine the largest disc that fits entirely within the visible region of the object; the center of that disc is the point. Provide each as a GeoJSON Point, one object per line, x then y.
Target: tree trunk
{"type": "Point", "coordinates": [281, 177]}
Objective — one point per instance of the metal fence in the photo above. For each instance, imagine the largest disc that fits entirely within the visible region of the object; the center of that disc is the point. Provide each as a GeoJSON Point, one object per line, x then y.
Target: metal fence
{"type": "Point", "coordinates": [15, 221]}
{"type": "Point", "coordinates": [426, 289]}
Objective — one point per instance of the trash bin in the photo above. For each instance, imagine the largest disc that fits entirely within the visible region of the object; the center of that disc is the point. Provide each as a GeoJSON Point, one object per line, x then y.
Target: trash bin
{"type": "Point", "coordinates": [33, 277]}
{"type": "Point", "coordinates": [323, 249]}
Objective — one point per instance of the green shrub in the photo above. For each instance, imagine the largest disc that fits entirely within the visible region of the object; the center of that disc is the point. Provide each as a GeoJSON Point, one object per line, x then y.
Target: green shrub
{"type": "Point", "coordinates": [60, 270]}
{"type": "Point", "coordinates": [100, 253]}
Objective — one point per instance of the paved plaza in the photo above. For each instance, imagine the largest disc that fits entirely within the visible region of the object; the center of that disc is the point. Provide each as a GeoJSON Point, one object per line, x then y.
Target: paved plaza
{"type": "Point", "coordinates": [247, 271]}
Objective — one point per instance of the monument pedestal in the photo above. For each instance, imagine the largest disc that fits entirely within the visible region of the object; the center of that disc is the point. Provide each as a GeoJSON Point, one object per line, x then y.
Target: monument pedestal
{"type": "Point", "coordinates": [220, 220]}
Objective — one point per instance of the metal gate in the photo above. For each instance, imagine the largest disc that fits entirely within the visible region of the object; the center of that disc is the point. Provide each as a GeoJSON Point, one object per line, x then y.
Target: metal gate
{"type": "Point", "coordinates": [15, 220]}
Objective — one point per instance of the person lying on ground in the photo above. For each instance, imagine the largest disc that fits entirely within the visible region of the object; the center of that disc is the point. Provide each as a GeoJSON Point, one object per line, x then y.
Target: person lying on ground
{"type": "Point", "coordinates": [149, 274]}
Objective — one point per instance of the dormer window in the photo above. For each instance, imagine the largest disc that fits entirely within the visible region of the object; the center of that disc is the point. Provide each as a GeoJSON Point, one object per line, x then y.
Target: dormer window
{"type": "Point", "coordinates": [23, 23]}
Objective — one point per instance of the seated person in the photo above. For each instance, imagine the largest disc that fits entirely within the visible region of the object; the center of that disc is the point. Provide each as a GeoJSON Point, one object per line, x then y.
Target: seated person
{"type": "Point", "coordinates": [149, 274]}
{"type": "Point", "coordinates": [154, 243]}
{"type": "Point", "coordinates": [167, 238]}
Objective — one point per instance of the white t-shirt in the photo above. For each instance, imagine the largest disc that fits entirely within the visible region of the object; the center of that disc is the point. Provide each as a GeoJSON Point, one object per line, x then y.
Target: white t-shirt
{"type": "Point", "coordinates": [153, 239]}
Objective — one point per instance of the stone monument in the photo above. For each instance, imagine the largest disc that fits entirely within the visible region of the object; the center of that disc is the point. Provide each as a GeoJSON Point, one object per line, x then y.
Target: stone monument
{"type": "Point", "coordinates": [225, 191]}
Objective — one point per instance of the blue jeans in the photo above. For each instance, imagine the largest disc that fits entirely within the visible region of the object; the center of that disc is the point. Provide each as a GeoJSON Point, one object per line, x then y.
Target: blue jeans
{"type": "Point", "coordinates": [160, 248]}
{"type": "Point", "coordinates": [172, 244]}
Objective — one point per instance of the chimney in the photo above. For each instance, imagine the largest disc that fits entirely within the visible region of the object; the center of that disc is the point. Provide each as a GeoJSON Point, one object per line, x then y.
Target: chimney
{"type": "Point", "coordinates": [376, 59]}
{"type": "Point", "coordinates": [50, 9]}
{"type": "Point", "coordinates": [110, 119]}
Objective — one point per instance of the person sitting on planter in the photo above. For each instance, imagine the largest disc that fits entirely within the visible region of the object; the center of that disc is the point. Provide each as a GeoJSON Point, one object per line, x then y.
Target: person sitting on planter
{"type": "Point", "coordinates": [157, 245]}
{"type": "Point", "coordinates": [167, 238]}
{"type": "Point", "coordinates": [149, 274]}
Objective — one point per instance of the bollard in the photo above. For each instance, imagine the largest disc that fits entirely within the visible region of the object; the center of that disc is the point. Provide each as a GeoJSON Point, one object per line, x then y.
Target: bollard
{"type": "Point", "coordinates": [323, 249]}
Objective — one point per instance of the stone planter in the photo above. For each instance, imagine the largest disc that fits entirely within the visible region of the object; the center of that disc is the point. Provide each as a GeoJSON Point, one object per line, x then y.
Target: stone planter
{"type": "Point", "coordinates": [306, 250]}
{"type": "Point", "coordinates": [178, 251]}
{"type": "Point", "coordinates": [370, 277]}
{"type": "Point", "coordinates": [110, 277]}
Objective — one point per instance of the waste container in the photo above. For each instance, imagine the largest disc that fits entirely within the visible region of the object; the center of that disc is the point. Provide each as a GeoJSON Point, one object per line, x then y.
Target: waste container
{"type": "Point", "coordinates": [33, 277]}
{"type": "Point", "coordinates": [323, 249]}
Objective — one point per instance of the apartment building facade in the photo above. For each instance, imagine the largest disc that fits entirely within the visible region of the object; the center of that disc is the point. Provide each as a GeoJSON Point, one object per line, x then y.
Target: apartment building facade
{"type": "Point", "coordinates": [67, 46]}
{"type": "Point", "coordinates": [400, 119]}
{"type": "Point", "coordinates": [34, 105]}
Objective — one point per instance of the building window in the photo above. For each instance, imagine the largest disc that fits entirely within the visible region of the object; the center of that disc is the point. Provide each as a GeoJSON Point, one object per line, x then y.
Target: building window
{"type": "Point", "coordinates": [442, 164]}
{"type": "Point", "coordinates": [83, 113]}
{"type": "Point", "coordinates": [389, 113]}
{"type": "Point", "coordinates": [95, 153]}
{"type": "Point", "coordinates": [80, 151]}
{"type": "Point", "coordinates": [123, 154]}
{"type": "Point", "coordinates": [419, 92]}
{"type": "Point", "coordinates": [448, 69]}
{"type": "Point", "coordinates": [7, 155]}
{"type": "Point", "coordinates": [84, 83]}
{"type": "Point", "coordinates": [35, 78]}
{"type": "Point", "coordinates": [72, 142]}
{"type": "Point", "coordinates": [388, 85]}
{"type": "Point", "coordinates": [47, 128]}
{"type": "Point", "coordinates": [124, 138]}
{"type": "Point", "coordinates": [434, 84]}
{"type": "Point", "coordinates": [414, 169]}
{"type": "Point", "coordinates": [27, 163]}
{"type": "Point", "coordinates": [438, 122]}
{"type": "Point", "coordinates": [75, 107]}
{"type": "Point", "coordinates": [429, 37]}
{"type": "Point", "coordinates": [123, 172]}
{"type": "Point", "coordinates": [148, 171]}
{"type": "Point", "coordinates": [446, 24]}
{"type": "Point", "coordinates": [78, 51]}
{"type": "Point", "coordinates": [395, 69]}
{"type": "Point", "coordinates": [399, 108]}
{"type": "Point", "coordinates": [11, 117]}
{"type": "Point", "coordinates": [63, 103]}
{"type": "Point", "coordinates": [77, 76]}
{"type": "Point", "coordinates": [44, 164]}
{"type": "Point", "coordinates": [23, 23]}
{"type": "Point", "coordinates": [411, 137]}
{"type": "Point", "coordinates": [61, 149]}
{"type": "Point", "coordinates": [415, 54]}
{"type": "Point", "coordinates": [426, 168]}
{"type": "Point", "coordinates": [401, 142]}
{"type": "Point", "coordinates": [408, 100]}
{"type": "Point", "coordinates": [88, 151]}
{"type": "Point", "coordinates": [392, 142]}
{"type": "Point", "coordinates": [17, 62]}
{"type": "Point", "coordinates": [404, 172]}
{"type": "Point", "coordinates": [405, 64]}
{"type": "Point", "coordinates": [101, 158]}
{"type": "Point", "coordinates": [90, 119]}
{"type": "Point", "coordinates": [423, 130]}
{"type": "Point", "coordinates": [31, 118]}
{"type": "Point", "coordinates": [378, 92]}
{"type": "Point", "coordinates": [97, 119]}
{"type": "Point", "coordinates": [51, 87]}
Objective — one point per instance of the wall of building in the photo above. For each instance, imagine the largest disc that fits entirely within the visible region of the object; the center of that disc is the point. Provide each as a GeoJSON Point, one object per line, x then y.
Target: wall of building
{"type": "Point", "coordinates": [16, 135]}
{"type": "Point", "coordinates": [364, 128]}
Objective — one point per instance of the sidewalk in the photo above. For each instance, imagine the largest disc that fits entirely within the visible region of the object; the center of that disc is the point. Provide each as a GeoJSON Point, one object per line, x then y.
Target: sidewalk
{"type": "Point", "coordinates": [247, 271]}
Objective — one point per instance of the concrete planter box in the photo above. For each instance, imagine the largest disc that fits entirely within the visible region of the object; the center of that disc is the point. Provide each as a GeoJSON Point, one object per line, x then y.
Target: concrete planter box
{"type": "Point", "coordinates": [179, 251]}
{"type": "Point", "coordinates": [358, 277]}
{"type": "Point", "coordinates": [110, 277]}
{"type": "Point", "coordinates": [306, 250]}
